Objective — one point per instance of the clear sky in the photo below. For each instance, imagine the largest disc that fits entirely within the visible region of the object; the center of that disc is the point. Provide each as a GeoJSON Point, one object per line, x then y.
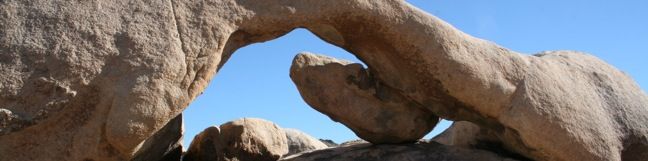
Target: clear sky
{"type": "Point", "coordinates": [255, 81]}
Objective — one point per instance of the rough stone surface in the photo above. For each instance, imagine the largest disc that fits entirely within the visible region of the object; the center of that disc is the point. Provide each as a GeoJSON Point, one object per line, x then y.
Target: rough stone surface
{"type": "Point", "coordinates": [406, 152]}
{"type": "Point", "coordinates": [249, 139]}
{"type": "Point", "coordinates": [93, 80]}
{"type": "Point", "coordinates": [253, 139]}
{"type": "Point", "coordinates": [299, 141]}
{"type": "Point", "coordinates": [206, 146]}
{"type": "Point", "coordinates": [239, 140]}
{"type": "Point", "coordinates": [348, 93]}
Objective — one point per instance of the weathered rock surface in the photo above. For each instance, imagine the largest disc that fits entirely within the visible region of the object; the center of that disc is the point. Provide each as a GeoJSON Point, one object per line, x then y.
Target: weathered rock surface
{"type": "Point", "coordinates": [299, 141]}
{"type": "Point", "coordinates": [249, 139]}
{"type": "Point", "coordinates": [348, 93]}
{"type": "Point", "coordinates": [93, 80]}
{"type": "Point", "coordinates": [253, 139]}
{"type": "Point", "coordinates": [406, 152]}
{"type": "Point", "coordinates": [206, 146]}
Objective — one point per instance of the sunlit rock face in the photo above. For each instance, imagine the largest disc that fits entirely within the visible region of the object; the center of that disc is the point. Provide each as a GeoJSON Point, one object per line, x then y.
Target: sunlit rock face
{"type": "Point", "coordinates": [95, 80]}
{"type": "Point", "coordinates": [348, 93]}
{"type": "Point", "coordinates": [249, 139]}
{"type": "Point", "coordinates": [239, 140]}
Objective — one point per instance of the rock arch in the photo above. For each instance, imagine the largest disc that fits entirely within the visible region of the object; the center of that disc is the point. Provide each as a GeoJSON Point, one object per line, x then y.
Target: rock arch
{"type": "Point", "coordinates": [107, 75]}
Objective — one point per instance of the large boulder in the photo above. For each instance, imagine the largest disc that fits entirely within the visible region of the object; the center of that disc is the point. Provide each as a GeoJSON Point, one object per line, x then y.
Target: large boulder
{"type": "Point", "coordinates": [239, 140]}
{"type": "Point", "coordinates": [299, 141]}
{"type": "Point", "coordinates": [253, 139]}
{"type": "Point", "coordinates": [394, 152]}
{"type": "Point", "coordinates": [249, 139]}
{"type": "Point", "coordinates": [350, 94]}
{"type": "Point", "coordinates": [93, 80]}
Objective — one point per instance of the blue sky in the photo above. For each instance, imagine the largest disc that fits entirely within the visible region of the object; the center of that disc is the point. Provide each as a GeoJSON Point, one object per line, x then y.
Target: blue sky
{"type": "Point", "coordinates": [255, 81]}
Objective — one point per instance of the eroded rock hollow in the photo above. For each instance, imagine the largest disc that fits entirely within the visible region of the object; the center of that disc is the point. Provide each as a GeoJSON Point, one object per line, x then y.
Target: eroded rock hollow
{"type": "Point", "coordinates": [95, 80]}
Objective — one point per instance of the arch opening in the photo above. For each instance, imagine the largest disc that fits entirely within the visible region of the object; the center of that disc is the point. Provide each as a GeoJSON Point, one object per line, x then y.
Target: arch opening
{"type": "Point", "coordinates": [255, 83]}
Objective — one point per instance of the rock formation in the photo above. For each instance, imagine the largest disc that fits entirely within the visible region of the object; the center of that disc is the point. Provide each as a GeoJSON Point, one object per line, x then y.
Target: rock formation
{"type": "Point", "coordinates": [95, 80]}
{"type": "Point", "coordinates": [394, 152]}
{"type": "Point", "coordinates": [300, 142]}
{"type": "Point", "coordinates": [239, 140]}
{"type": "Point", "coordinates": [165, 144]}
{"type": "Point", "coordinates": [349, 94]}
{"type": "Point", "coordinates": [207, 145]}
{"type": "Point", "coordinates": [498, 136]}
{"type": "Point", "coordinates": [253, 139]}
{"type": "Point", "coordinates": [249, 139]}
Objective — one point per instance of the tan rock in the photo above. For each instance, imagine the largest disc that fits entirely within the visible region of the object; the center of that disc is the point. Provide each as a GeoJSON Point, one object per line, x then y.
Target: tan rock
{"type": "Point", "coordinates": [394, 152]}
{"type": "Point", "coordinates": [350, 94]}
{"type": "Point", "coordinates": [93, 80]}
{"type": "Point", "coordinates": [299, 141]}
{"type": "Point", "coordinates": [239, 140]}
{"type": "Point", "coordinates": [206, 146]}
{"type": "Point", "coordinates": [253, 139]}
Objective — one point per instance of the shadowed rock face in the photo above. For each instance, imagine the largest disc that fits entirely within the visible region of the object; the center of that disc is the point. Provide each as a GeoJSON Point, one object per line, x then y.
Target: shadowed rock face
{"type": "Point", "coordinates": [405, 152]}
{"type": "Point", "coordinates": [165, 144]}
{"type": "Point", "coordinates": [93, 80]}
{"type": "Point", "coordinates": [207, 145]}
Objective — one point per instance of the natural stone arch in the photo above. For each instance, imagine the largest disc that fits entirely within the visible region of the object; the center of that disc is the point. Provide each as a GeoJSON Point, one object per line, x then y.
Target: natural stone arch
{"type": "Point", "coordinates": [456, 76]}
{"type": "Point", "coordinates": [141, 63]}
